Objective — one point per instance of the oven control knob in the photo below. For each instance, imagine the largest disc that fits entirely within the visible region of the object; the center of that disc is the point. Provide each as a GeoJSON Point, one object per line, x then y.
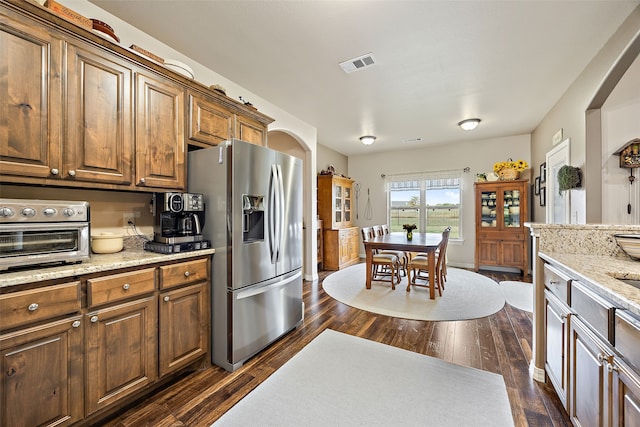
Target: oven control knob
{"type": "Point", "coordinates": [28, 212]}
{"type": "Point", "coordinates": [6, 212]}
{"type": "Point", "coordinates": [68, 212]}
{"type": "Point", "coordinates": [49, 211]}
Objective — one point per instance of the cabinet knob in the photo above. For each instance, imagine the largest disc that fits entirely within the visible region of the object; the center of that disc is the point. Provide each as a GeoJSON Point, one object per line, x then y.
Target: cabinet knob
{"type": "Point", "coordinates": [563, 316]}
{"type": "Point", "coordinates": [76, 324]}
{"type": "Point", "coordinates": [93, 319]}
{"type": "Point", "coordinates": [126, 286]}
{"type": "Point", "coordinates": [600, 357]}
{"type": "Point", "coordinates": [72, 173]}
{"type": "Point", "coordinates": [143, 181]}
{"type": "Point", "coordinates": [554, 282]}
{"type": "Point", "coordinates": [166, 298]}
{"type": "Point", "coordinates": [611, 368]}
{"type": "Point", "coordinates": [33, 307]}
{"type": "Point", "coordinates": [186, 274]}
{"type": "Point", "coordinates": [55, 171]}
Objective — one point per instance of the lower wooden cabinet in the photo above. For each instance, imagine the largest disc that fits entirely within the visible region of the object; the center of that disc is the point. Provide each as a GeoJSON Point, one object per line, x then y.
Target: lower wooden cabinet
{"type": "Point", "coordinates": [72, 352]}
{"type": "Point", "coordinates": [121, 351]}
{"type": "Point", "coordinates": [340, 248]}
{"type": "Point", "coordinates": [183, 331]}
{"type": "Point", "coordinates": [557, 317]}
{"type": "Point", "coordinates": [42, 375]}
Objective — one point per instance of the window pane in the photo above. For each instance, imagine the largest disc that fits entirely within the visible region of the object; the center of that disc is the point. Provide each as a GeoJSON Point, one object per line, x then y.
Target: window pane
{"type": "Point", "coordinates": [443, 210]}
{"type": "Point", "coordinates": [405, 208]}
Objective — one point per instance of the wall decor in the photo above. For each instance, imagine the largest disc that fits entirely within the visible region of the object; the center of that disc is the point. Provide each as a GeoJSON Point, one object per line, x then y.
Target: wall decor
{"type": "Point", "coordinates": [536, 186]}
{"type": "Point", "coordinates": [543, 172]}
{"type": "Point", "coordinates": [543, 196]}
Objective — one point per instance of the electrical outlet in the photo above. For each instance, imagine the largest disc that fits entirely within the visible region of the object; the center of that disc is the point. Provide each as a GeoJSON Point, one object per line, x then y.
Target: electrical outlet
{"type": "Point", "coordinates": [126, 218]}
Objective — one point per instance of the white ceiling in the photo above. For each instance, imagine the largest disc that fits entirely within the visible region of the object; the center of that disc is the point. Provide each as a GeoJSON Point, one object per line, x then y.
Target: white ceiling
{"type": "Point", "coordinates": [437, 62]}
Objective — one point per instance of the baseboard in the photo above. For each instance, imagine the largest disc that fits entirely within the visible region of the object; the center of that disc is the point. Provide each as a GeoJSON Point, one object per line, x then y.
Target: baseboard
{"type": "Point", "coordinates": [539, 374]}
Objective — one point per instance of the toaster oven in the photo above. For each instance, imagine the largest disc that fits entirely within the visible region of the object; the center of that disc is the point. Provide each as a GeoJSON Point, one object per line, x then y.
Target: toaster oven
{"type": "Point", "coordinates": [36, 232]}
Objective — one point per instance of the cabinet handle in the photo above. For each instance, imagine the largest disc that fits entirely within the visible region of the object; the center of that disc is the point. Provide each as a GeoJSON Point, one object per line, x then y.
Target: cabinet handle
{"type": "Point", "coordinates": [554, 282]}
{"type": "Point", "coordinates": [186, 274]}
{"type": "Point", "coordinates": [72, 173]}
{"type": "Point", "coordinates": [611, 368]}
{"type": "Point", "coordinates": [563, 316]}
{"type": "Point", "coordinates": [33, 307]}
{"type": "Point", "coordinates": [93, 319]}
{"type": "Point", "coordinates": [600, 357]}
{"type": "Point", "coordinates": [166, 298]}
{"type": "Point", "coordinates": [55, 171]}
{"type": "Point", "coordinates": [126, 286]}
{"type": "Point", "coordinates": [76, 324]}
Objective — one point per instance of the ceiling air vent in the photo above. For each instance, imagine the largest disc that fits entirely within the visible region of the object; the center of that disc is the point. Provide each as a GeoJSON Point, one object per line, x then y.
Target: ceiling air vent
{"type": "Point", "coordinates": [358, 63]}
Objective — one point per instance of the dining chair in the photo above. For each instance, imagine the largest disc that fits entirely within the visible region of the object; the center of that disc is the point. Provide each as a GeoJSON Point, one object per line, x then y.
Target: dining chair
{"type": "Point", "coordinates": [385, 267]}
{"type": "Point", "coordinates": [444, 261]}
{"type": "Point", "coordinates": [419, 266]}
{"type": "Point", "coordinates": [403, 257]}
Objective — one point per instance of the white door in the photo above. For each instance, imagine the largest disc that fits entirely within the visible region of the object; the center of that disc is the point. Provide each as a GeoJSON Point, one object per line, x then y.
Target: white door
{"type": "Point", "coordinates": [558, 205]}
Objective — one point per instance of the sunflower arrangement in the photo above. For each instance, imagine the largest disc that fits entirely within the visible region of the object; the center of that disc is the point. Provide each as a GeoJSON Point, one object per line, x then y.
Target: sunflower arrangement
{"type": "Point", "coordinates": [518, 165]}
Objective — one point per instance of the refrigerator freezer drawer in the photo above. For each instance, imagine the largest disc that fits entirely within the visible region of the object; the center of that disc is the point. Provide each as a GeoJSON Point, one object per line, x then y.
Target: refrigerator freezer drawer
{"type": "Point", "coordinates": [263, 313]}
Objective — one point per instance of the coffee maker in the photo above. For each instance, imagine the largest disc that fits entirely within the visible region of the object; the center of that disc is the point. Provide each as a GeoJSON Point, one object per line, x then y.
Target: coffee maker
{"type": "Point", "coordinates": [178, 222]}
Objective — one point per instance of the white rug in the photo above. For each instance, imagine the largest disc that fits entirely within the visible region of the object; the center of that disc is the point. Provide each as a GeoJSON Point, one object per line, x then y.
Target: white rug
{"type": "Point", "coordinates": [342, 380]}
{"type": "Point", "coordinates": [518, 294]}
{"type": "Point", "coordinates": [467, 295]}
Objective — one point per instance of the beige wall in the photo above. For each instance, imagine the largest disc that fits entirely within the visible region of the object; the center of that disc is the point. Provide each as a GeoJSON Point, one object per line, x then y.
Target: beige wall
{"type": "Point", "coordinates": [569, 115]}
{"type": "Point", "coordinates": [479, 156]}
{"type": "Point", "coordinates": [326, 156]}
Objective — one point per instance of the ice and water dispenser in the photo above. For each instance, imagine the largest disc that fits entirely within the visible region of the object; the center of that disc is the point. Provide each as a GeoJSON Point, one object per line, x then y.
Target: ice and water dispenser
{"type": "Point", "coordinates": [252, 218]}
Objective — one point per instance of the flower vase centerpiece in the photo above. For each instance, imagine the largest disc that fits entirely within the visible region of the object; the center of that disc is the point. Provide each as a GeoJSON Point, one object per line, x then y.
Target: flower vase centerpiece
{"type": "Point", "coordinates": [509, 170]}
{"type": "Point", "coordinates": [409, 228]}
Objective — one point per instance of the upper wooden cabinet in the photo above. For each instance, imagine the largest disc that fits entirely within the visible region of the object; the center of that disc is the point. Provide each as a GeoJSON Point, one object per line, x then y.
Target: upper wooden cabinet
{"type": "Point", "coordinates": [335, 201]}
{"type": "Point", "coordinates": [160, 139]}
{"type": "Point", "coordinates": [501, 237]}
{"type": "Point", "coordinates": [99, 121]}
{"type": "Point", "coordinates": [77, 110]}
{"type": "Point", "coordinates": [30, 99]}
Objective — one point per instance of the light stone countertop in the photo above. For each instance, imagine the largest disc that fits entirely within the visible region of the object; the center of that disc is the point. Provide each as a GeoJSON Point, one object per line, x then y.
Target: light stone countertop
{"type": "Point", "coordinates": [96, 264]}
{"type": "Point", "coordinates": [599, 272]}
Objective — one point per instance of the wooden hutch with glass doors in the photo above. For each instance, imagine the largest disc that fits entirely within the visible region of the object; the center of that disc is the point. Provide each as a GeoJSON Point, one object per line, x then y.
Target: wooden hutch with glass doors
{"type": "Point", "coordinates": [501, 237]}
{"type": "Point", "coordinates": [341, 240]}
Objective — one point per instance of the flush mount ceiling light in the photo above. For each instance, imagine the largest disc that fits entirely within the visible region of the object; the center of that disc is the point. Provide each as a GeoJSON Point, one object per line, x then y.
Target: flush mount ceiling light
{"type": "Point", "coordinates": [368, 139]}
{"type": "Point", "coordinates": [469, 124]}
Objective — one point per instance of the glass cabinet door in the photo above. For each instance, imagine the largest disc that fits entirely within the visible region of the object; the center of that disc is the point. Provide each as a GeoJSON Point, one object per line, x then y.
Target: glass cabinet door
{"type": "Point", "coordinates": [338, 203]}
{"type": "Point", "coordinates": [489, 209]}
{"type": "Point", "coordinates": [511, 208]}
{"type": "Point", "coordinates": [347, 204]}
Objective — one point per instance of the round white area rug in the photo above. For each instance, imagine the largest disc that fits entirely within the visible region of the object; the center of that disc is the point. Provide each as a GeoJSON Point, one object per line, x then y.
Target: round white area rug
{"type": "Point", "coordinates": [518, 294]}
{"type": "Point", "coordinates": [467, 295]}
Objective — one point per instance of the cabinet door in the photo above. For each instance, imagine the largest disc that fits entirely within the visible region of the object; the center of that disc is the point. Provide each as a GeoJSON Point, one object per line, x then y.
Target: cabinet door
{"type": "Point", "coordinates": [30, 100]}
{"type": "Point", "coordinates": [209, 123]}
{"type": "Point", "coordinates": [512, 253]}
{"type": "Point", "coordinates": [488, 252]}
{"type": "Point", "coordinates": [588, 395]}
{"type": "Point", "coordinates": [183, 327]}
{"type": "Point", "coordinates": [626, 395]}
{"type": "Point", "coordinates": [557, 331]}
{"type": "Point", "coordinates": [42, 375]}
{"type": "Point", "coordinates": [121, 351]}
{"type": "Point", "coordinates": [99, 147]}
{"type": "Point", "coordinates": [160, 139]}
{"type": "Point", "coordinates": [353, 244]}
{"type": "Point", "coordinates": [250, 130]}
{"type": "Point", "coordinates": [344, 246]}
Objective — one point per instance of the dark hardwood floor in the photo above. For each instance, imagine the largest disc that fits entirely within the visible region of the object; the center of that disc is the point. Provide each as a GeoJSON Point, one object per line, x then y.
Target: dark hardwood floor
{"type": "Point", "coordinates": [500, 343]}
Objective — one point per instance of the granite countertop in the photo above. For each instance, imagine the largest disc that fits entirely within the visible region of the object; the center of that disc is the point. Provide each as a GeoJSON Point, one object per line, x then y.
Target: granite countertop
{"type": "Point", "coordinates": [600, 273]}
{"type": "Point", "coordinates": [97, 263]}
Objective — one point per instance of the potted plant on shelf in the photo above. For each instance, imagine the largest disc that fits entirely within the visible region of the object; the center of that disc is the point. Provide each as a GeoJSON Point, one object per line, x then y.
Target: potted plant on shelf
{"type": "Point", "coordinates": [569, 177]}
{"type": "Point", "coordinates": [509, 170]}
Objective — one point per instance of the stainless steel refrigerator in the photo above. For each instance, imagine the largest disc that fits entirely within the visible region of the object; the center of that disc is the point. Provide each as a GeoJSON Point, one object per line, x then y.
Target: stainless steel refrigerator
{"type": "Point", "coordinates": [253, 218]}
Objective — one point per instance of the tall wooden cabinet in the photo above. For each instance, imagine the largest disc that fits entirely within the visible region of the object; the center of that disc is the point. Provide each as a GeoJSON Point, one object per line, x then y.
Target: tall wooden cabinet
{"type": "Point", "coordinates": [501, 237]}
{"type": "Point", "coordinates": [335, 201]}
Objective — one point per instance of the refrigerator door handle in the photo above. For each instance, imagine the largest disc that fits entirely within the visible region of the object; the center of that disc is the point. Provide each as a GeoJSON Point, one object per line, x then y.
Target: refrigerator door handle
{"type": "Point", "coordinates": [266, 288]}
{"type": "Point", "coordinates": [280, 217]}
{"type": "Point", "coordinates": [273, 213]}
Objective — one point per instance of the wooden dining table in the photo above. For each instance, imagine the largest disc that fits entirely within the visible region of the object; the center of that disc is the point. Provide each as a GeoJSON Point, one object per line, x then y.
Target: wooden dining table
{"type": "Point", "coordinates": [397, 241]}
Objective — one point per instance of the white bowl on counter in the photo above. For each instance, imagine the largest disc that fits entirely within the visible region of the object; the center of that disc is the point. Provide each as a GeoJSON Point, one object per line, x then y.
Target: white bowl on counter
{"type": "Point", "coordinates": [107, 243]}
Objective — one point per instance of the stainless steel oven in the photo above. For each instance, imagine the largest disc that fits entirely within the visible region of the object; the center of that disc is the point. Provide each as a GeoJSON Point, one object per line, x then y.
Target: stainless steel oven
{"type": "Point", "coordinates": [34, 232]}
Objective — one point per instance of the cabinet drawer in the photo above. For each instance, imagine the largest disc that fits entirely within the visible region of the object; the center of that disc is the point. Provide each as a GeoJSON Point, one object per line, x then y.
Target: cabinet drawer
{"type": "Point", "coordinates": [120, 286]}
{"type": "Point", "coordinates": [182, 273]}
{"type": "Point", "coordinates": [557, 283]}
{"type": "Point", "coordinates": [24, 307]}
{"type": "Point", "coordinates": [627, 337]}
{"type": "Point", "coordinates": [592, 309]}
